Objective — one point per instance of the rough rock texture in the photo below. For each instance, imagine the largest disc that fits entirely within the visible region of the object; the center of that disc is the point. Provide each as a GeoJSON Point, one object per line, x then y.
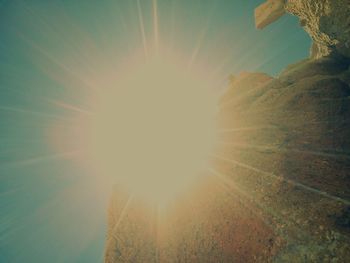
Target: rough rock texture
{"type": "Point", "coordinates": [288, 146]}
{"type": "Point", "coordinates": [327, 22]}
{"type": "Point", "coordinates": [131, 230]}
{"type": "Point", "coordinates": [244, 82]}
{"type": "Point", "coordinates": [269, 12]}
{"type": "Point", "coordinates": [210, 224]}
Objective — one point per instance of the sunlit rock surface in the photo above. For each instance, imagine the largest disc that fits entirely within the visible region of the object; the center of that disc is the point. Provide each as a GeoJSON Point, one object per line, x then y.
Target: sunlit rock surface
{"type": "Point", "coordinates": [326, 21]}
{"type": "Point", "coordinates": [213, 223]}
{"type": "Point", "coordinates": [269, 12]}
{"type": "Point", "coordinates": [131, 235]}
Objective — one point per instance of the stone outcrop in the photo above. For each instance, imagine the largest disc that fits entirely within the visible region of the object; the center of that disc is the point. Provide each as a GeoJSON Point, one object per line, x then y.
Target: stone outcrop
{"type": "Point", "coordinates": [326, 21]}
{"type": "Point", "coordinates": [288, 138]}
{"type": "Point", "coordinates": [288, 148]}
{"type": "Point", "coordinates": [269, 12]}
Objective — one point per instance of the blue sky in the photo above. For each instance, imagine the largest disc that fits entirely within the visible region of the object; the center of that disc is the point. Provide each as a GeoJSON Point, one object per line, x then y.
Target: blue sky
{"type": "Point", "coordinates": [49, 211]}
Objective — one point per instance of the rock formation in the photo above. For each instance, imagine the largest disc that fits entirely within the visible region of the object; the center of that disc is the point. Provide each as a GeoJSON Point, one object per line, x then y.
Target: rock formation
{"type": "Point", "coordinates": [282, 177]}
{"type": "Point", "coordinates": [288, 138]}
{"type": "Point", "coordinates": [269, 12]}
{"type": "Point", "coordinates": [288, 145]}
{"type": "Point", "coordinates": [327, 22]}
{"type": "Point", "coordinates": [281, 190]}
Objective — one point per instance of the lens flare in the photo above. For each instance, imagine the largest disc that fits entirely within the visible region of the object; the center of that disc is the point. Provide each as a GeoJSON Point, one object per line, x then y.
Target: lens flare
{"type": "Point", "coordinates": [153, 127]}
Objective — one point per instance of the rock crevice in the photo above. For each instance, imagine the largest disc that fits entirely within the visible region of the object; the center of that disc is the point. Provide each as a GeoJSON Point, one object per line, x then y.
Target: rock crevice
{"type": "Point", "coordinates": [326, 21]}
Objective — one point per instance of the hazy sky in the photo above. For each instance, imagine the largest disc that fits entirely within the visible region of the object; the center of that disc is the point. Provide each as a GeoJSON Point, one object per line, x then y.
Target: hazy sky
{"type": "Point", "coordinates": [49, 212]}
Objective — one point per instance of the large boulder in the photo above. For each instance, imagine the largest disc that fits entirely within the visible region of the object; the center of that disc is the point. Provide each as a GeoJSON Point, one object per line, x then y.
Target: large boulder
{"type": "Point", "coordinates": [288, 145]}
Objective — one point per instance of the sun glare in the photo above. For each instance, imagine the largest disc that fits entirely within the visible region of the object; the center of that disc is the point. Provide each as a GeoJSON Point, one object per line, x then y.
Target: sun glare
{"type": "Point", "coordinates": [153, 127]}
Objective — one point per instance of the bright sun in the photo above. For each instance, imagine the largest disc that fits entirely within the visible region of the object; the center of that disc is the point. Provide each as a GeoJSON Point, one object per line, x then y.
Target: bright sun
{"type": "Point", "coordinates": [154, 127]}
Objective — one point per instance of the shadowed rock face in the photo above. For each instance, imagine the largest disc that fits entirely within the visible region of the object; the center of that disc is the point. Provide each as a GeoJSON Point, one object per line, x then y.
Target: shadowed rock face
{"type": "Point", "coordinates": [290, 143]}
{"type": "Point", "coordinates": [326, 21]}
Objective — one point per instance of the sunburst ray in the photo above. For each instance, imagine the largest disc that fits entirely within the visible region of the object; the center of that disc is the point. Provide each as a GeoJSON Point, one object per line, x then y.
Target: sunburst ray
{"type": "Point", "coordinates": [289, 181]}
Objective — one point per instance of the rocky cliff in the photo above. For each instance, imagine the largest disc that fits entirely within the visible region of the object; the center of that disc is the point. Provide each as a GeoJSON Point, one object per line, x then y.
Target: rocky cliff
{"type": "Point", "coordinates": [287, 143]}
{"type": "Point", "coordinates": [288, 138]}
{"type": "Point", "coordinates": [326, 21]}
